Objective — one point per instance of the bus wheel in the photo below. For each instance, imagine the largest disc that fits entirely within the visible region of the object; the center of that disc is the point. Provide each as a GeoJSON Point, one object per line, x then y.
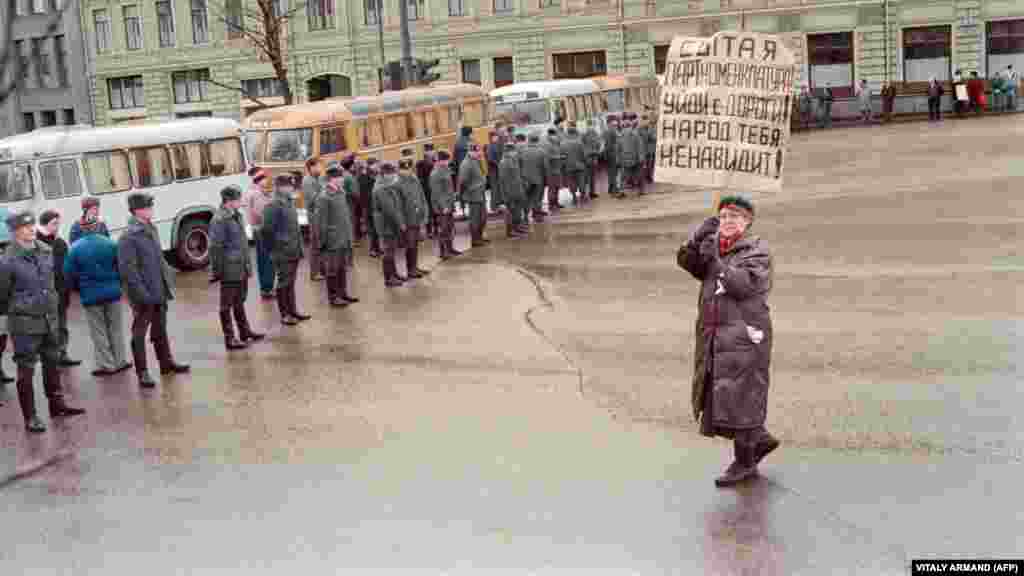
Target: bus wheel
{"type": "Point", "coordinates": [193, 250]}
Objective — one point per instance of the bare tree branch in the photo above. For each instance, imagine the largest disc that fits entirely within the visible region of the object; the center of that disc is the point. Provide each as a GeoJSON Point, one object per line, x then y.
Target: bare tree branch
{"type": "Point", "coordinates": [248, 95]}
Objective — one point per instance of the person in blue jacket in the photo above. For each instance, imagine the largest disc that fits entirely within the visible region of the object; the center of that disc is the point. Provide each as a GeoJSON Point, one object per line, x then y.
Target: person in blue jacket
{"type": "Point", "coordinates": [91, 268]}
{"type": "Point", "coordinates": [90, 221]}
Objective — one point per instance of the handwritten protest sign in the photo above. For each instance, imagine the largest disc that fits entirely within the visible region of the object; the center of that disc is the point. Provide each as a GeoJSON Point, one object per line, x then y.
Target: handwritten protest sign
{"type": "Point", "coordinates": [724, 113]}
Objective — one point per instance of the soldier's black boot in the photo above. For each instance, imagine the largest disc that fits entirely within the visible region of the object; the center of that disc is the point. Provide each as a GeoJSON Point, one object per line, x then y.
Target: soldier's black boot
{"type": "Point", "coordinates": [293, 306]}
{"type": "Point", "coordinates": [390, 273]}
{"type": "Point", "coordinates": [282, 307]}
{"type": "Point", "coordinates": [51, 384]}
{"type": "Point", "coordinates": [27, 399]}
{"type": "Point", "coordinates": [244, 330]}
{"type": "Point", "coordinates": [742, 468]}
{"type": "Point", "coordinates": [4, 378]}
{"type": "Point", "coordinates": [343, 286]}
{"type": "Point", "coordinates": [766, 444]}
{"type": "Point", "coordinates": [230, 342]}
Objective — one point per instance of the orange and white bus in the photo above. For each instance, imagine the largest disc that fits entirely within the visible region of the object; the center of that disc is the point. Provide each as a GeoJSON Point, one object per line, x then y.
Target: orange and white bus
{"type": "Point", "coordinates": [281, 139]}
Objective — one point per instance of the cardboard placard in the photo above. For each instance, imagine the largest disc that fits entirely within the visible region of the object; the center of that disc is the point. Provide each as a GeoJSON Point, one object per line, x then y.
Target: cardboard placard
{"type": "Point", "coordinates": [725, 110]}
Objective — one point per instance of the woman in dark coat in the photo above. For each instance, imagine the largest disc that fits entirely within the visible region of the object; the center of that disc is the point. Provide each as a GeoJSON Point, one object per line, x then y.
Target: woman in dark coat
{"type": "Point", "coordinates": [734, 334]}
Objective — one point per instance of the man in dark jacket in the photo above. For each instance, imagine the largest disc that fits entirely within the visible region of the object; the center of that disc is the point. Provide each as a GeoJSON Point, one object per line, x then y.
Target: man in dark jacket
{"type": "Point", "coordinates": [49, 234]}
{"type": "Point", "coordinates": [462, 146]}
{"type": "Point", "coordinates": [28, 296]}
{"type": "Point", "coordinates": [389, 220]}
{"type": "Point", "coordinates": [734, 334]}
{"type": "Point", "coordinates": [416, 212]}
{"type": "Point", "coordinates": [230, 265]}
{"type": "Point", "coordinates": [424, 168]}
{"type": "Point", "coordinates": [336, 235]}
{"type": "Point", "coordinates": [149, 284]}
{"type": "Point", "coordinates": [471, 188]}
{"type": "Point", "coordinates": [575, 163]}
{"type": "Point", "coordinates": [281, 232]}
{"type": "Point", "coordinates": [493, 152]}
{"type": "Point", "coordinates": [443, 204]}
{"type": "Point", "coordinates": [592, 150]}
{"type": "Point", "coordinates": [534, 176]}
{"type": "Point", "coordinates": [367, 179]}
{"type": "Point", "coordinates": [611, 154]}
{"type": "Point", "coordinates": [91, 269]}
{"type": "Point", "coordinates": [511, 177]}
{"type": "Point", "coordinates": [555, 169]}
{"type": "Point", "coordinates": [311, 189]}
{"type": "Point", "coordinates": [90, 221]}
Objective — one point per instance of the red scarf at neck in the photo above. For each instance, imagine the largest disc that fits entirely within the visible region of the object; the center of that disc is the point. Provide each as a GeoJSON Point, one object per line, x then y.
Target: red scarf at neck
{"type": "Point", "coordinates": [726, 244]}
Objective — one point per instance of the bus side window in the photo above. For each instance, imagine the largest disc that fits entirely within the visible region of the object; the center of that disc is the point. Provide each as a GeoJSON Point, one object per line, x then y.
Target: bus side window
{"type": "Point", "coordinates": [376, 132]}
{"type": "Point", "coordinates": [332, 139]}
{"type": "Point", "coordinates": [188, 160]}
{"type": "Point", "coordinates": [473, 114]}
{"type": "Point", "coordinates": [225, 157]}
{"type": "Point", "coordinates": [105, 173]}
{"type": "Point", "coordinates": [16, 182]}
{"type": "Point", "coordinates": [454, 115]}
{"type": "Point", "coordinates": [444, 124]}
{"type": "Point", "coordinates": [430, 120]}
{"type": "Point", "coordinates": [418, 124]}
{"type": "Point", "coordinates": [152, 166]}
{"type": "Point", "coordinates": [362, 134]}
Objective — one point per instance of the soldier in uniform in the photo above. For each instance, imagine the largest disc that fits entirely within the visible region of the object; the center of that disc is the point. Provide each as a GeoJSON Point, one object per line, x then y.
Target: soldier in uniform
{"type": "Point", "coordinates": [312, 185]}
{"type": "Point", "coordinates": [336, 234]}
{"type": "Point", "coordinates": [442, 204]}
{"type": "Point", "coordinates": [534, 176]}
{"type": "Point", "coordinates": [555, 167]}
{"type": "Point", "coordinates": [510, 174]}
{"type": "Point", "coordinates": [471, 188]}
{"type": "Point", "coordinates": [28, 296]}
{"type": "Point", "coordinates": [493, 153]}
{"type": "Point", "coordinates": [591, 150]}
{"type": "Point", "coordinates": [229, 265]}
{"type": "Point", "coordinates": [149, 284]}
{"type": "Point", "coordinates": [388, 220]}
{"type": "Point", "coordinates": [414, 205]}
{"type": "Point", "coordinates": [630, 154]}
{"type": "Point", "coordinates": [651, 145]}
{"type": "Point", "coordinates": [575, 163]}
{"type": "Point", "coordinates": [282, 234]}
{"type": "Point", "coordinates": [611, 151]}
{"type": "Point", "coordinates": [367, 180]}
{"type": "Point", "coordinates": [424, 168]}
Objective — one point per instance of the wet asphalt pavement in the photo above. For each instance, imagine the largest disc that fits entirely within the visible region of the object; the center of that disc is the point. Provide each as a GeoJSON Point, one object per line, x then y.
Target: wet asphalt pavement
{"type": "Point", "coordinates": [525, 409]}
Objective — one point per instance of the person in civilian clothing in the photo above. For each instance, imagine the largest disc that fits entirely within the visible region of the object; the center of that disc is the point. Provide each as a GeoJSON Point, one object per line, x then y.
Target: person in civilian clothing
{"type": "Point", "coordinates": [90, 221]}
{"type": "Point", "coordinates": [28, 296]}
{"type": "Point", "coordinates": [230, 265]}
{"type": "Point", "coordinates": [91, 269]}
{"type": "Point", "coordinates": [148, 281]}
{"type": "Point", "coordinates": [256, 199]}
{"type": "Point", "coordinates": [284, 237]}
{"type": "Point", "coordinates": [442, 204]}
{"type": "Point", "coordinates": [48, 233]}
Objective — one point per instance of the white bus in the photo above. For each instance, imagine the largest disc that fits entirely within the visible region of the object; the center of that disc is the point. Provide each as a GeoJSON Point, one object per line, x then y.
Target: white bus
{"type": "Point", "coordinates": [183, 163]}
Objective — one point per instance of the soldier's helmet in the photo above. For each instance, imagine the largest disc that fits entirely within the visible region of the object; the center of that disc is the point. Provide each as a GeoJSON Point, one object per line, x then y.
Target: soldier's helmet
{"type": "Point", "coordinates": [20, 219]}
{"type": "Point", "coordinates": [229, 193]}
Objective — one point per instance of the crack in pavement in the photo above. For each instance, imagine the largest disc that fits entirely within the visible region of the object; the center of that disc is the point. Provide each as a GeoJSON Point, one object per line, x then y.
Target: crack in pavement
{"type": "Point", "coordinates": [34, 468]}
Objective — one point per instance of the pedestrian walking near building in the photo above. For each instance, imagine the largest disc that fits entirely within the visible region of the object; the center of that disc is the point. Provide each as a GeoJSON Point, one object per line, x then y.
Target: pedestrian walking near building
{"type": "Point", "coordinates": [424, 168]}
{"type": "Point", "coordinates": [28, 296]}
{"type": "Point", "coordinates": [825, 100]}
{"type": "Point", "coordinates": [336, 234]}
{"type": "Point", "coordinates": [575, 158]}
{"type": "Point", "coordinates": [864, 99]}
{"type": "Point", "coordinates": [442, 202]}
{"type": "Point", "coordinates": [367, 182]}
{"type": "Point", "coordinates": [888, 100]}
{"type": "Point", "coordinates": [1012, 83]}
{"type": "Point", "coordinates": [734, 334]}
{"type": "Point", "coordinates": [389, 221]}
{"type": "Point", "coordinates": [312, 186]}
{"type": "Point", "coordinates": [148, 281]}
{"type": "Point", "coordinates": [471, 188]}
{"type": "Point", "coordinates": [935, 92]}
{"type": "Point", "coordinates": [806, 107]}
{"type": "Point", "coordinates": [512, 183]}
{"type": "Point", "coordinates": [90, 221]}
{"type": "Point", "coordinates": [230, 265]}
{"type": "Point", "coordinates": [416, 212]}
{"type": "Point", "coordinates": [91, 269]}
{"type": "Point", "coordinates": [49, 234]}
{"type": "Point", "coordinates": [256, 200]}
{"type": "Point", "coordinates": [611, 154]}
{"type": "Point", "coordinates": [284, 237]}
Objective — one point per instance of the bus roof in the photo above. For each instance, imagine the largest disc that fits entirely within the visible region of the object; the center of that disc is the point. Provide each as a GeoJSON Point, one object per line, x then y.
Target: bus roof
{"type": "Point", "coordinates": [546, 89]}
{"type": "Point", "coordinates": [340, 109]}
{"type": "Point", "coordinates": [80, 139]}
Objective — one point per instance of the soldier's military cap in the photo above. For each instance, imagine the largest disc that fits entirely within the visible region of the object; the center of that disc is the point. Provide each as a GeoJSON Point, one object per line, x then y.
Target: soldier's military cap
{"type": "Point", "coordinates": [371, 161]}
{"type": "Point", "coordinates": [428, 147]}
{"type": "Point", "coordinates": [19, 219]}
{"type": "Point", "coordinates": [140, 200]}
{"type": "Point", "coordinates": [387, 167]}
{"type": "Point", "coordinates": [520, 137]}
{"type": "Point", "coordinates": [534, 137]}
{"type": "Point", "coordinates": [259, 176]}
{"type": "Point", "coordinates": [229, 193]}
{"type": "Point", "coordinates": [284, 180]}
{"type": "Point", "coordinates": [89, 202]}
{"type": "Point", "coordinates": [443, 155]}
{"type": "Point", "coordinates": [408, 152]}
{"type": "Point", "coordinates": [510, 146]}
{"type": "Point", "coordinates": [334, 168]}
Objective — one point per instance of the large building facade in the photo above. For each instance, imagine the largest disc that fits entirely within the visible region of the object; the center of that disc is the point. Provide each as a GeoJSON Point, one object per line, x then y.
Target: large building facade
{"type": "Point", "coordinates": [159, 59]}
{"type": "Point", "coordinates": [52, 64]}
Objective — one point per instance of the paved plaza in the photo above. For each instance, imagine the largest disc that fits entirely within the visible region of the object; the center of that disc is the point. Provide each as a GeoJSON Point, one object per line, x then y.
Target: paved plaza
{"type": "Point", "coordinates": [526, 408]}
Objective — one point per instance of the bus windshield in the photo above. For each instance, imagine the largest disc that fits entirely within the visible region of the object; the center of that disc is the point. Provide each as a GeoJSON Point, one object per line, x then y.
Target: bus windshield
{"type": "Point", "coordinates": [532, 112]}
{"type": "Point", "coordinates": [290, 145]}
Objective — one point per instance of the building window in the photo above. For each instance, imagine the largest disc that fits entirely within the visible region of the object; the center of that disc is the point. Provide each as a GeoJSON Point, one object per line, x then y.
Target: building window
{"type": "Point", "coordinates": [280, 8]}
{"type": "Point", "coordinates": [48, 118]}
{"type": "Point", "coordinates": [660, 58]}
{"type": "Point", "coordinates": [190, 85]}
{"type": "Point", "coordinates": [19, 7]}
{"type": "Point", "coordinates": [580, 65]}
{"type": "Point", "coordinates": [165, 22]}
{"type": "Point", "coordinates": [262, 88]}
{"type": "Point", "coordinates": [456, 7]}
{"type": "Point", "coordinates": [28, 121]}
{"type": "Point", "coordinates": [125, 92]}
{"type": "Point", "coordinates": [132, 27]}
{"type": "Point", "coordinates": [549, 3]}
{"type": "Point", "coordinates": [69, 117]}
{"type": "Point", "coordinates": [320, 14]}
{"type": "Point", "coordinates": [373, 11]}
{"type": "Point", "coordinates": [38, 6]}
{"type": "Point", "coordinates": [42, 57]}
{"type": "Point", "coordinates": [471, 72]}
{"type": "Point", "coordinates": [830, 63]}
{"type": "Point", "coordinates": [24, 62]}
{"type": "Point", "coordinates": [414, 9]}
{"type": "Point", "coordinates": [102, 25]}
{"type": "Point", "coordinates": [1005, 41]}
{"type": "Point", "coordinates": [60, 51]}
{"type": "Point", "coordinates": [234, 19]}
{"type": "Point", "coordinates": [200, 23]}
{"type": "Point", "coordinates": [504, 72]}
{"type": "Point", "coordinates": [504, 5]}
{"type": "Point", "coordinates": [926, 53]}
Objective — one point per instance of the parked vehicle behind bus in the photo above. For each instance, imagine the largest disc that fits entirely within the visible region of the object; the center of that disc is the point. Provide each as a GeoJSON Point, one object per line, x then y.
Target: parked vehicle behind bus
{"type": "Point", "coordinates": [281, 139]}
{"type": "Point", "coordinates": [182, 163]}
